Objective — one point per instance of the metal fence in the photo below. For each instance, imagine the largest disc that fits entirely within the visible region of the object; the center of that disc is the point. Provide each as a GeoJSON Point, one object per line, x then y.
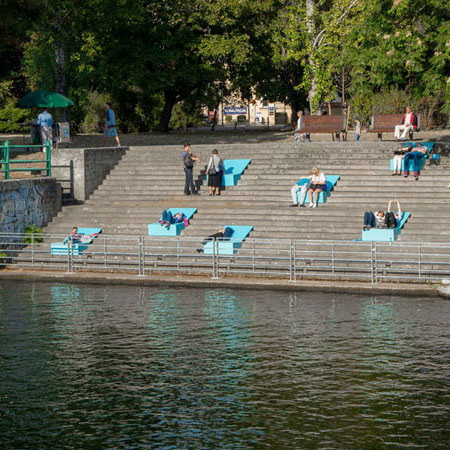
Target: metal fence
{"type": "Point", "coordinates": [6, 161]}
{"type": "Point", "coordinates": [291, 259]}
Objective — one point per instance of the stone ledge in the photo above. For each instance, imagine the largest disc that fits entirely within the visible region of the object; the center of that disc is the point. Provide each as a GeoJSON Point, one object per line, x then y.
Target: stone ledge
{"type": "Point", "coordinates": [351, 287]}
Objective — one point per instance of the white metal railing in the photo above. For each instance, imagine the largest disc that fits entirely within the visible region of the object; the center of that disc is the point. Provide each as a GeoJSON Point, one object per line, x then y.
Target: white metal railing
{"type": "Point", "coordinates": [292, 259]}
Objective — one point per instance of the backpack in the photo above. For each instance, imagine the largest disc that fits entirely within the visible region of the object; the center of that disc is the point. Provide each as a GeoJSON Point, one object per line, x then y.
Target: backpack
{"type": "Point", "coordinates": [188, 163]}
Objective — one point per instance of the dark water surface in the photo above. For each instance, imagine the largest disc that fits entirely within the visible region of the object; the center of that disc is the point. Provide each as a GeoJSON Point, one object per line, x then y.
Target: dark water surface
{"type": "Point", "coordinates": [127, 367]}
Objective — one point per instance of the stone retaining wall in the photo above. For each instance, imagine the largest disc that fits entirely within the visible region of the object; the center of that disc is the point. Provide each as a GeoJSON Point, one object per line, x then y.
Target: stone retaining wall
{"type": "Point", "coordinates": [28, 201]}
{"type": "Point", "coordinates": [91, 165]}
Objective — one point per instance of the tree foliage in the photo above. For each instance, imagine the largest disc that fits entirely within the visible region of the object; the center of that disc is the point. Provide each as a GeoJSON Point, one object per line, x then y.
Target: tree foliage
{"type": "Point", "coordinates": [155, 60]}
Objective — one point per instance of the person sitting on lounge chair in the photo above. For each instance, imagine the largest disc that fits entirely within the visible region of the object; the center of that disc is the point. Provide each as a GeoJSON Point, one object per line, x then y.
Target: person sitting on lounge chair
{"type": "Point", "coordinates": [380, 219]}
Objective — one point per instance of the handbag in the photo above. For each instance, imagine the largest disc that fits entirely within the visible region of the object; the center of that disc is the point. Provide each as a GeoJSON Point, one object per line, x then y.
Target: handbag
{"type": "Point", "coordinates": [212, 169]}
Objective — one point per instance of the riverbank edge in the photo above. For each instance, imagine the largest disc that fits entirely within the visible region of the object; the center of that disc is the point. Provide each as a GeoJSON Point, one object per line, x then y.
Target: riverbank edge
{"type": "Point", "coordinates": [169, 280]}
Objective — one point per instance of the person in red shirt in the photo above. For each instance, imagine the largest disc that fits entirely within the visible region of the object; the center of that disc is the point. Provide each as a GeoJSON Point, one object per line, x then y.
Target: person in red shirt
{"type": "Point", "coordinates": [409, 123]}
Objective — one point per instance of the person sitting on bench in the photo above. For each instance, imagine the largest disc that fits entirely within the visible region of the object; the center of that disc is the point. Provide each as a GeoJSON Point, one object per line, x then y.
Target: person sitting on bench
{"type": "Point", "coordinates": [303, 188]}
{"type": "Point", "coordinates": [223, 234]}
{"type": "Point", "coordinates": [382, 220]}
{"type": "Point", "coordinates": [416, 155]}
{"type": "Point", "coordinates": [80, 238]}
{"type": "Point", "coordinates": [318, 184]}
{"type": "Point", "coordinates": [409, 123]}
{"type": "Point", "coordinates": [167, 218]}
{"type": "Point", "coordinates": [399, 154]}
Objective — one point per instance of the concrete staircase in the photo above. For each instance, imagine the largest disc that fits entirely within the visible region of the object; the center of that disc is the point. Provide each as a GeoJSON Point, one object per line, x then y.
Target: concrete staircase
{"type": "Point", "coordinates": [149, 179]}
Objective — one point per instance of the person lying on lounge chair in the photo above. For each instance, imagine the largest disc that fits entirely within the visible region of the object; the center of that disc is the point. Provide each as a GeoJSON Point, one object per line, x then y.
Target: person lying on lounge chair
{"type": "Point", "coordinates": [167, 218]}
{"type": "Point", "coordinates": [223, 234]}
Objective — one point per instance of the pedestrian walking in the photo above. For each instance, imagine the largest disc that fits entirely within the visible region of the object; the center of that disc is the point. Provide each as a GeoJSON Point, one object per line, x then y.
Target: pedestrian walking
{"type": "Point", "coordinates": [110, 125]}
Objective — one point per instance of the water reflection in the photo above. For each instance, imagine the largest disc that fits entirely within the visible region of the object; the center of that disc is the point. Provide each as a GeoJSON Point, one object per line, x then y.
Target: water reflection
{"type": "Point", "coordinates": [129, 367]}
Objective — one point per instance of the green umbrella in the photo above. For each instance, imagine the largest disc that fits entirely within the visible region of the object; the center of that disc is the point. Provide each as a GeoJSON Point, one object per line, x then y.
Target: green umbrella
{"type": "Point", "coordinates": [45, 99]}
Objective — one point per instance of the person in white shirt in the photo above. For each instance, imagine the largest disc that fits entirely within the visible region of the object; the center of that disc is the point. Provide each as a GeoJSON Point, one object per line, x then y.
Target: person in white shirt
{"type": "Point", "coordinates": [409, 124]}
{"type": "Point", "coordinates": [303, 189]}
{"type": "Point", "coordinates": [318, 184]}
{"type": "Point", "coordinates": [297, 134]}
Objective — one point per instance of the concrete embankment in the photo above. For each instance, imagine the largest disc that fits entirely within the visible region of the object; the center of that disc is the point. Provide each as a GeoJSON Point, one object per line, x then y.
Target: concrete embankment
{"type": "Point", "coordinates": [350, 287]}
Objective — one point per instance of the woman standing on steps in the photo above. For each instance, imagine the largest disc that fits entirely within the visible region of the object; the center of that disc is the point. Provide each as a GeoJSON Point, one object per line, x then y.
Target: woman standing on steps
{"type": "Point", "coordinates": [214, 172]}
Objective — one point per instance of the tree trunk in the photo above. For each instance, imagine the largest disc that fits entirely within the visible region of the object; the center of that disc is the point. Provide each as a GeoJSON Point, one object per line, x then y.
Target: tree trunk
{"type": "Point", "coordinates": [310, 7]}
{"type": "Point", "coordinates": [60, 74]}
{"type": "Point", "coordinates": [169, 103]}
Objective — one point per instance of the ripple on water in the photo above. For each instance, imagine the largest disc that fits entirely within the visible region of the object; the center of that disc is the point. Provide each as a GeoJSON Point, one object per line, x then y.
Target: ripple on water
{"type": "Point", "coordinates": [127, 367]}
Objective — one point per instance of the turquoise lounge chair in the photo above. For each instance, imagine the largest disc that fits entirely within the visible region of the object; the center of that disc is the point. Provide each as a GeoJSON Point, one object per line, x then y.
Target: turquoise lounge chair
{"type": "Point", "coordinates": [156, 229]}
{"type": "Point", "coordinates": [422, 161]}
{"type": "Point", "coordinates": [330, 183]}
{"type": "Point", "coordinates": [78, 247]}
{"type": "Point", "coordinates": [233, 170]}
{"type": "Point", "coordinates": [231, 245]}
{"type": "Point", "coordinates": [385, 234]}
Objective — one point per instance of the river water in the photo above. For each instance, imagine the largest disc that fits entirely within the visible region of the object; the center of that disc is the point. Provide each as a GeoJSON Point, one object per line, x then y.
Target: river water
{"type": "Point", "coordinates": [127, 367]}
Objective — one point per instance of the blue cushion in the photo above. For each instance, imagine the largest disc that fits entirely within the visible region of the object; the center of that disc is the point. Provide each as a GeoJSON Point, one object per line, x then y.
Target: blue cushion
{"type": "Point", "coordinates": [231, 246]}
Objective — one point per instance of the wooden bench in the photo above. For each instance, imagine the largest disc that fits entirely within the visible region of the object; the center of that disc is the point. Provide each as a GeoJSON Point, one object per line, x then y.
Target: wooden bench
{"type": "Point", "coordinates": [385, 123]}
{"type": "Point", "coordinates": [324, 124]}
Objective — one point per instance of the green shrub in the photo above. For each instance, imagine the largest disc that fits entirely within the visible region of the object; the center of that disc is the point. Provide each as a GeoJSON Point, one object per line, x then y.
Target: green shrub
{"type": "Point", "coordinates": [242, 118]}
{"type": "Point", "coordinates": [32, 234]}
{"type": "Point", "coordinates": [228, 118]}
{"type": "Point", "coordinates": [95, 113]}
{"type": "Point", "coordinates": [12, 118]}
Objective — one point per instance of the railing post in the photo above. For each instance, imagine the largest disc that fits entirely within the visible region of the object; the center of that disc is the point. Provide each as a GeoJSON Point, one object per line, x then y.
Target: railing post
{"type": "Point", "coordinates": [178, 252]}
{"type": "Point", "coordinates": [105, 250]}
{"type": "Point", "coordinates": [140, 245]}
{"type": "Point", "coordinates": [372, 268]}
{"type": "Point", "coordinates": [72, 189]}
{"type": "Point", "coordinates": [332, 257]}
{"type": "Point", "coordinates": [48, 154]}
{"type": "Point", "coordinates": [69, 255]}
{"type": "Point", "coordinates": [32, 251]}
{"type": "Point", "coordinates": [215, 260]}
{"type": "Point", "coordinates": [291, 261]}
{"type": "Point", "coordinates": [295, 259]}
{"type": "Point", "coordinates": [420, 260]}
{"type": "Point", "coordinates": [6, 160]}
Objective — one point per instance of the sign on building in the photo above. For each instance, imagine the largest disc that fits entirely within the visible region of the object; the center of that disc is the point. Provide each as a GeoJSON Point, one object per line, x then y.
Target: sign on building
{"type": "Point", "coordinates": [231, 110]}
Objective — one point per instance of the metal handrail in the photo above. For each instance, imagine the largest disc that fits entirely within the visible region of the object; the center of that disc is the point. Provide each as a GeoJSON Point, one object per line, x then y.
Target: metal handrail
{"type": "Point", "coordinates": [6, 160]}
{"type": "Point", "coordinates": [292, 259]}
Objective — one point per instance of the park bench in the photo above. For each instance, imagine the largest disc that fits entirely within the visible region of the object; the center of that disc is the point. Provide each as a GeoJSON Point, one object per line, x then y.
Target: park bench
{"type": "Point", "coordinates": [385, 123]}
{"type": "Point", "coordinates": [324, 124]}
{"type": "Point", "coordinates": [231, 245]}
{"type": "Point", "coordinates": [330, 183]}
{"type": "Point", "coordinates": [156, 229]}
{"type": "Point", "coordinates": [78, 245]}
{"type": "Point", "coordinates": [422, 161]}
{"type": "Point", "coordinates": [385, 234]}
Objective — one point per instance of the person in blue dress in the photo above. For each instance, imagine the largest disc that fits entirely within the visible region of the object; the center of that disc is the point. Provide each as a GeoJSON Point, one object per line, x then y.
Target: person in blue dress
{"type": "Point", "coordinates": [110, 125]}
